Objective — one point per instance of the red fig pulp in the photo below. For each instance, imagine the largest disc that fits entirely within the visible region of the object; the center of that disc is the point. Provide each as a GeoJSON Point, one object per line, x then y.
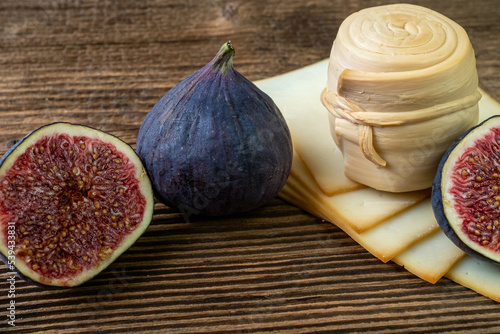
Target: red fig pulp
{"type": "Point", "coordinates": [466, 191]}
{"type": "Point", "coordinates": [72, 199]}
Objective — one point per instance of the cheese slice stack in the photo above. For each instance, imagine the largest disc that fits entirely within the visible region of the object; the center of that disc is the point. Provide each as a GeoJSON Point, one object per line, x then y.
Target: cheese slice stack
{"type": "Point", "coordinates": [392, 226]}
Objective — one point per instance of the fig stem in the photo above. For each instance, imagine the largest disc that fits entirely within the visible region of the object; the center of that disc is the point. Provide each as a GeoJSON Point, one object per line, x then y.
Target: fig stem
{"type": "Point", "coordinates": [223, 60]}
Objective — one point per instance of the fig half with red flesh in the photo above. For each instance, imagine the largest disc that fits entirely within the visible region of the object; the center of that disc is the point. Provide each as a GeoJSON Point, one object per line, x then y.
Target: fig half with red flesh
{"type": "Point", "coordinates": [72, 199]}
{"type": "Point", "coordinates": [466, 191]}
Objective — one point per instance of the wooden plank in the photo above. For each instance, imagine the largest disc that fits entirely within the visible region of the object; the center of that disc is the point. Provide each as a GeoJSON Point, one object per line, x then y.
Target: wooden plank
{"type": "Point", "coordinates": [274, 270]}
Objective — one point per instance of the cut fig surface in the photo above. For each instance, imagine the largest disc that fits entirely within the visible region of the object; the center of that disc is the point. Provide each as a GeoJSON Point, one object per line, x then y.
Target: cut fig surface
{"type": "Point", "coordinates": [466, 191]}
{"type": "Point", "coordinates": [72, 199]}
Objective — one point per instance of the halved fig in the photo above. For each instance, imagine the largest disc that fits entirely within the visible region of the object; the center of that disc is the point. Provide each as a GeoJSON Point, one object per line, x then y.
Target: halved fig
{"type": "Point", "coordinates": [466, 191]}
{"type": "Point", "coordinates": [72, 199]}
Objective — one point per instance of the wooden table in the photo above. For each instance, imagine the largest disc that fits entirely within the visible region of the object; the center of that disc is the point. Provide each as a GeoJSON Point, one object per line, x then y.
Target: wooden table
{"type": "Point", "coordinates": [276, 269]}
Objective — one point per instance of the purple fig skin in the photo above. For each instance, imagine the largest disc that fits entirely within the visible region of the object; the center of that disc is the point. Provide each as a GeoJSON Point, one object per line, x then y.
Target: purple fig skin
{"type": "Point", "coordinates": [215, 144]}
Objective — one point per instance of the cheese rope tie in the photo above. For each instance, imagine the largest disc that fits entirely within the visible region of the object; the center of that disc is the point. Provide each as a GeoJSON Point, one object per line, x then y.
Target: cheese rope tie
{"type": "Point", "coordinates": [342, 108]}
{"type": "Point", "coordinates": [398, 65]}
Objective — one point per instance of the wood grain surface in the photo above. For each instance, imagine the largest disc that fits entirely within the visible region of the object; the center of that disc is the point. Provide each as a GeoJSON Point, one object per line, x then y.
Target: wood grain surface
{"type": "Point", "coordinates": [274, 270]}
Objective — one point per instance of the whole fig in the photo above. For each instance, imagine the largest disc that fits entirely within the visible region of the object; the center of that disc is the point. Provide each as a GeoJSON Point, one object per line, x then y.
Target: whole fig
{"type": "Point", "coordinates": [215, 144]}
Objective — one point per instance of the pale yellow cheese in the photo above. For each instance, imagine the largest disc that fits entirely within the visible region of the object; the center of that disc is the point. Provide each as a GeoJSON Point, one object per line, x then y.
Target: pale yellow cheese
{"type": "Point", "coordinates": [363, 209]}
{"type": "Point", "coordinates": [386, 240]}
{"type": "Point", "coordinates": [488, 106]}
{"type": "Point", "coordinates": [377, 244]}
{"type": "Point", "coordinates": [289, 194]}
{"type": "Point", "coordinates": [360, 209]}
{"type": "Point", "coordinates": [297, 95]}
{"type": "Point", "coordinates": [477, 275]}
{"type": "Point", "coordinates": [426, 256]}
{"type": "Point", "coordinates": [402, 230]}
{"type": "Point", "coordinates": [431, 257]}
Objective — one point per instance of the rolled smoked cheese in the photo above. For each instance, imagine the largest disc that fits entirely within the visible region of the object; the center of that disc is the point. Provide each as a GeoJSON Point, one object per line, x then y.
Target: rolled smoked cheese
{"type": "Point", "coordinates": [402, 86]}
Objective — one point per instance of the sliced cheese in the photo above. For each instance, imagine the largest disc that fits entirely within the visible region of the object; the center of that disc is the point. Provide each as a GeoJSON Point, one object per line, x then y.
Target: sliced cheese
{"type": "Point", "coordinates": [477, 275]}
{"type": "Point", "coordinates": [366, 208]}
{"type": "Point", "coordinates": [487, 106]}
{"type": "Point", "coordinates": [359, 209]}
{"type": "Point", "coordinates": [401, 231]}
{"type": "Point", "coordinates": [297, 96]}
{"type": "Point", "coordinates": [428, 257]}
{"type": "Point", "coordinates": [290, 195]}
{"type": "Point", "coordinates": [385, 240]}
{"type": "Point", "coordinates": [431, 257]}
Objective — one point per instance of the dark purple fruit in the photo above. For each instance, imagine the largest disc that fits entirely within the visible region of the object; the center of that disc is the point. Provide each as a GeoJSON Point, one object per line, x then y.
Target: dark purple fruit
{"type": "Point", "coordinates": [466, 191]}
{"type": "Point", "coordinates": [215, 144]}
{"type": "Point", "coordinates": [72, 199]}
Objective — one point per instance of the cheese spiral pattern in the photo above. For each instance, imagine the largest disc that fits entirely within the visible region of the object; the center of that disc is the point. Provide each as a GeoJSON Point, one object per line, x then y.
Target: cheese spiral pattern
{"type": "Point", "coordinates": [399, 75]}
